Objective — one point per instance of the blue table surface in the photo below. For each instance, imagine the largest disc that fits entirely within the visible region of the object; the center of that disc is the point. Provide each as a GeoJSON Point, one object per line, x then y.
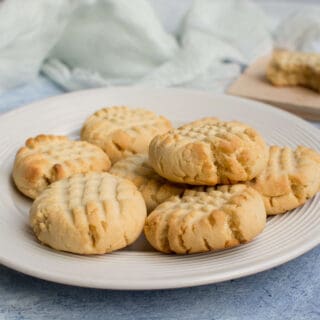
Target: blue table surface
{"type": "Point", "coordinates": [290, 291]}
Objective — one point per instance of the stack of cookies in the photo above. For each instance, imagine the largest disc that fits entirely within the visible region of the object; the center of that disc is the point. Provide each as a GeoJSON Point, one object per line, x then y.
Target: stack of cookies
{"type": "Point", "coordinates": [207, 185]}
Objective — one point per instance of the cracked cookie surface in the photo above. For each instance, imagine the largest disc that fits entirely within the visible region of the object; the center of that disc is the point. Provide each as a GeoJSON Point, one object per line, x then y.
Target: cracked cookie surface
{"type": "Point", "coordinates": [91, 213]}
{"type": "Point", "coordinates": [48, 158]}
{"type": "Point", "coordinates": [290, 178]}
{"type": "Point", "coordinates": [201, 221]}
{"type": "Point", "coordinates": [154, 188]}
{"type": "Point", "coordinates": [122, 131]}
{"type": "Point", "coordinates": [209, 152]}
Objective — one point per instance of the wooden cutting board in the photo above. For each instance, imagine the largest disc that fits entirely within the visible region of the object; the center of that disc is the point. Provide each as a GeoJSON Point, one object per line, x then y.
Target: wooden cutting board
{"type": "Point", "coordinates": [254, 85]}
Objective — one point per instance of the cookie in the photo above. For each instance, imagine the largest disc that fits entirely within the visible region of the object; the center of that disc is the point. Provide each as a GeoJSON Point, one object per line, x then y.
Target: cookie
{"type": "Point", "coordinates": [91, 213]}
{"type": "Point", "coordinates": [201, 221]}
{"type": "Point", "coordinates": [290, 68]}
{"type": "Point", "coordinates": [121, 131]}
{"type": "Point", "coordinates": [47, 158]}
{"type": "Point", "coordinates": [209, 152]}
{"type": "Point", "coordinates": [153, 187]}
{"type": "Point", "coordinates": [289, 180]}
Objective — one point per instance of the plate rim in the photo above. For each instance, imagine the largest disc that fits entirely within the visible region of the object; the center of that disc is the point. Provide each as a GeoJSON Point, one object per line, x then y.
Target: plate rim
{"type": "Point", "coordinates": [165, 284]}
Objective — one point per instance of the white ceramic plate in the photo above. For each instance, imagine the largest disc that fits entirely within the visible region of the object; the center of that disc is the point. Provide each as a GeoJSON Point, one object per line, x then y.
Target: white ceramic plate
{"type": "Point", "coordinates": [139, 267]}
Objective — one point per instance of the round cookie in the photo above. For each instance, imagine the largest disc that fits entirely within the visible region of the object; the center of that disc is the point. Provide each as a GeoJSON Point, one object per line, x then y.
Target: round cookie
{"type": "Point", "coordinates": [208, 220]}
{"type": "Point", "coordinates": [209, 152]}
{"type": "Point", "coordinates": [91, 213]}
{"type": "Point", "coordinates": [121, 131]}
{"type": "Point", "coordinates": [290, 178]}
{"type": "Point", "coordinates": [153, 187]}
{"type": "Point", "coordinates": [48, 158]}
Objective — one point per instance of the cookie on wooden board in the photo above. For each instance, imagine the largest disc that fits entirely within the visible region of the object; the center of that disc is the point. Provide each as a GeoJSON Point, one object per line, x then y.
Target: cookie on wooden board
{"type": "Point", "coordinates": [291, 68]}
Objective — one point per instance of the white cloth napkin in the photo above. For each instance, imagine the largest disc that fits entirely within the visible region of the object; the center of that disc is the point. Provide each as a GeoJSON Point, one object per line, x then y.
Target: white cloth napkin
{"type": "Point", "coordinates": [28, 30]}
{"type": "Point", "coordinates": [91, 43]}
{"type": "Point", "coordinates": [300, 31]}
{"type": "Point", "coordinates": [122, 42]}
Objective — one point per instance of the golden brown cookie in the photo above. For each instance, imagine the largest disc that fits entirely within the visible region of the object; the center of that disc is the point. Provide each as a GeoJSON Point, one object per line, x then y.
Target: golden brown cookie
{"type": "Point", "coordinates": [153, 187]}
{"type": "Point", "coordinates": [290, 178]}
{"type": "Point", "coordinates": [91, 213]}
{"type": "Point", "coordinates": [48, 158]}
{"type": "Point", "coordinates": [209, 152]}
{"type": "Point", "coordinates": [209, 220]}
{"type": "Point", "coordinates": [121, 131]}
{"type": "Point", "coordinates": [290, 68]}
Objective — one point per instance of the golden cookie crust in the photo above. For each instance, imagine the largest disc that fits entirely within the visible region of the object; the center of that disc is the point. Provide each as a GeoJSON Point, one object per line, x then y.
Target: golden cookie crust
{"type": "Point", "coordinates": [122, 131]}
{"type": "Point", "coordinates": [201, 221]}
{"type": "Point", "coordinates": [290, 178]}
{"type": "Point", "coordinates": [290, 68]}
{"type": "Point", "coordinates": [153, 187]}
{"type": "Point", "coordinates": [48, 158]}
{"type": "Point", "coordinates": [91, 213]}
{"type": "Point", "coordinates": [209, 152]}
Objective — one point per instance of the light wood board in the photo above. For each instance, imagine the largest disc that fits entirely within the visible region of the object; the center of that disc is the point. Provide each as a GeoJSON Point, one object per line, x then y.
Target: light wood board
{"type": "Point", "coordinates": [254, 85]}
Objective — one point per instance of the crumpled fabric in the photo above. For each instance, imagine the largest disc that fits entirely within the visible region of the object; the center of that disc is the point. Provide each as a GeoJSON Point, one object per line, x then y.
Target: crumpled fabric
{"type": "Point", "coordinates": [93, 43]}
